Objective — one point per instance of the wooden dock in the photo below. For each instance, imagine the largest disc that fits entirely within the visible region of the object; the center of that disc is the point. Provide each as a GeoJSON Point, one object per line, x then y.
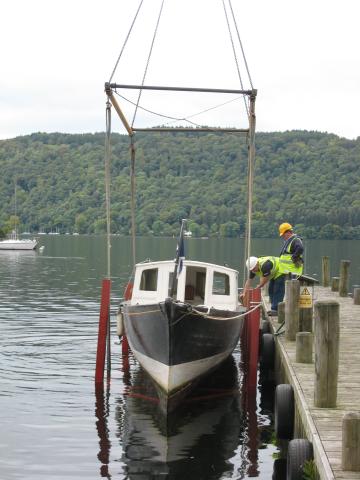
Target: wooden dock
{"type": "Point", "coordinates": [323, 426]}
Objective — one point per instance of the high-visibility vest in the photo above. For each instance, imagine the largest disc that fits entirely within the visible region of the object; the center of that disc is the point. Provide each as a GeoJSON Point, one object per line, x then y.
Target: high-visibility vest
{"type": "Point", "coordinates": [286, 256]}
{"type": "Point", "coordinates": [281, 266]}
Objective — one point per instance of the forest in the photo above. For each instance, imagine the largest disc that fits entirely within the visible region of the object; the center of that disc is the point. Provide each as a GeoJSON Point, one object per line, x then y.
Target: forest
{"type": "Point", "coordinates": [309, 179]}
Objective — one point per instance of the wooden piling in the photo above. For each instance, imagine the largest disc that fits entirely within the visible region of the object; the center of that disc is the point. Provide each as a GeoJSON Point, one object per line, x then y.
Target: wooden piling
{"type": "Point", "coordinates": [327, 327]}
{"type": "Point", "coordinates": [335, 284]}
{"type": "Point", "coordinates": [306, 320]}
{"type": "Point", "coordinates": [104, 318]}
{"type": "Point", "coordinates": [304, 347]}
{"type": "Point", "coordinates": [344, 278]}
{"type": "Point", "coordinates": [350, 455]}
{"type": "Point", "coordinates": [357, 296]}
{"type": "Point", "coordinates": [325, 272]}
{"type": "Point", "coordinates": [281, 312]}
{"type": "Point", "coordinates": [305, 309]}
{"type": "Point", "coordinates": [292, 293]}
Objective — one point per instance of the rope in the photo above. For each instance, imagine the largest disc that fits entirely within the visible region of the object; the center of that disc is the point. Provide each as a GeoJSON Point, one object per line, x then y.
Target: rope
{"type": "Point", "coordinates": [235, 56]}
{"type": "Point", "coordinates": [176, 119]}
{"type": "Point", "coordinates": [148, 61]}
{"type": "Point", "coordinates": [242, 50]}
{"type": "Point", "coordinates": [125, 42]}
{"type": "Point", "coordinates": [107, 182]}
{"type": "Point", "coordinates": [227, 318]}
{"type": "Point", "coordinates": [108, 226]}
{"type": "Point", "coordinates": [197, 312]}
{"type": "Point", "coordinates": [132, 181]}
{"type": "Point", "coordinates": [250, 182]}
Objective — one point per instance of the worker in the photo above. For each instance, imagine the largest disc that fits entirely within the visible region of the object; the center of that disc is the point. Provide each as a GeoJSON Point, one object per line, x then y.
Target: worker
{"type": "Point", "coordinates": [292, 248]}
{"type": "Point", "coordinates": [269, 268]}
{"type": "Point", "coordinates": [292, 252]}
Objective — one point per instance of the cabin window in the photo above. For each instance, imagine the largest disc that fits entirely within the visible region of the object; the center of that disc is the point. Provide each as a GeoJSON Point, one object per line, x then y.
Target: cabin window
{"type": "Point", "coordinates": [149, 279]}
{"type": "Point", "coordinates": [221, 284]}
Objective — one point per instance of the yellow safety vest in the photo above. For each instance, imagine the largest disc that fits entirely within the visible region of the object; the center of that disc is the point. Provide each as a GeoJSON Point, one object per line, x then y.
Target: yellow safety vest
{"type": "Point", "coordinates": [286, 257]}
{"type": "Point", "coordinates": [281, 266]}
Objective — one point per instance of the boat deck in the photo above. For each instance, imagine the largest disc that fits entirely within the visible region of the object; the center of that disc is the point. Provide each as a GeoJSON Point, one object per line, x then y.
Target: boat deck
{"type": "Point", "coordinates": [323, 426]}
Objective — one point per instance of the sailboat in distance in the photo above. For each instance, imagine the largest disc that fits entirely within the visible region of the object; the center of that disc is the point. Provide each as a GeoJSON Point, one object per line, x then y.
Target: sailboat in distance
{"type": "Point", "coordinates": [14, 242]}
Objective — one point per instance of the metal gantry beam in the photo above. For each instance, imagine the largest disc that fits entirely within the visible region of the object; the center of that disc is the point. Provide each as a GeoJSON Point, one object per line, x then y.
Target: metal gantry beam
{"type": "Point", "coordinates": [110, 87]}
{"type": "Point", "coordinates": [178, 89]}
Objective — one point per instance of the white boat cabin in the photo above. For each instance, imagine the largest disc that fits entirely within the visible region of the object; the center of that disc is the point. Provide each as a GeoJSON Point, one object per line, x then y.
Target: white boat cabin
{"type": "Point", "coordinates": [199, 283]}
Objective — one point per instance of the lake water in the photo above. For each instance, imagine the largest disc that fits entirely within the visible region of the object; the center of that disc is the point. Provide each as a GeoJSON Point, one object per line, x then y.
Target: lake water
{"type": "Point", "coordinates": [55, 426]}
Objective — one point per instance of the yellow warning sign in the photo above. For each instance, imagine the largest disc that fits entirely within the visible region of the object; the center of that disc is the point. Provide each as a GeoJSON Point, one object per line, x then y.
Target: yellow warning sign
{"type": "Point", "coordinates": [305, 299]}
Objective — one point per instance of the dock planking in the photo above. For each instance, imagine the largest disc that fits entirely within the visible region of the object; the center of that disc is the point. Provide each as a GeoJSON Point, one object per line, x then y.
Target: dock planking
{"type": "Point", "coordinates": [323, 426]}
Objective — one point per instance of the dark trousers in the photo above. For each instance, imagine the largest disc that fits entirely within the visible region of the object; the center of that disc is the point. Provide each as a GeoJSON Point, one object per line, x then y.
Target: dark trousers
{"type": "Point", "coordinates": [276, 291]}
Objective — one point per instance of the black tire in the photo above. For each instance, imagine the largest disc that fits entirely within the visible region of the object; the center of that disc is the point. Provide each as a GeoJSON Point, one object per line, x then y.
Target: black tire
{"type": "Point", "coordinates": [279, 470]}
{"type": "Point", "coordinates": [300, 451]}
{"type": "Point", "coordinates": [265, 327]}
{"type": "Point", "coordinates": [284, 411]}
{"type": "Point", "coordinates": [267, 350]}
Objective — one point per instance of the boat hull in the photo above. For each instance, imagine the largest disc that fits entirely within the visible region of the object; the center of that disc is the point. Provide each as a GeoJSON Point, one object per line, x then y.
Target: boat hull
{"type": "Point", "coordinates": [177, 344]}
{"type": "Point", "coordinates": [18, 245]}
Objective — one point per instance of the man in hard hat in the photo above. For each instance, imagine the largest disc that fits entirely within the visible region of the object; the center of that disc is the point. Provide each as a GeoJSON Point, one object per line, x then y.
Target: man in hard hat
{"type": "Point", "coordinates": [291, 252]}
{"type": "Point", "coordinates": [269, 268]}
{"type": "Point", "coordinates": [292, 248]}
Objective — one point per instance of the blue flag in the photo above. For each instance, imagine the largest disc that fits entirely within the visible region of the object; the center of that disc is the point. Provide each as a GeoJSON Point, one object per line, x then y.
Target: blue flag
{"type": "Point", "coordinates": [180, 254]}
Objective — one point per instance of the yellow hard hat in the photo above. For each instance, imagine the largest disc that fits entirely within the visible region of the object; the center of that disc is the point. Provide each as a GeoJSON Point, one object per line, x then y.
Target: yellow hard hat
{"type": "Point", "coordinates": [284, 227]}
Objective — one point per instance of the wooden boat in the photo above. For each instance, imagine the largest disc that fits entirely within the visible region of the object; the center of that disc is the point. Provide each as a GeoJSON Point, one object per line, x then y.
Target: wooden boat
{"type": "Point", "coordinates": [181, 337]}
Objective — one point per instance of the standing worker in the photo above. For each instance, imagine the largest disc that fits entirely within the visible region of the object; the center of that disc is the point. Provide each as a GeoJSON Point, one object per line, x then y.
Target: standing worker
{"type": "Point", "coordinates": [291, 252]}
{"type": "Point", "coordinates": [292, 248]}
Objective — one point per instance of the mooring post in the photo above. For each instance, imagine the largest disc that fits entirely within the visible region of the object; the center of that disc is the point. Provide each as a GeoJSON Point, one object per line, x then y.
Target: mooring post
{"type": "Point", "coordinates": [104, 318]}
{"type": "Point", "coordinates": [281, 312]}
{"type": "Point", "coordinates": [304, 347]}
{"type": "Point", "coordinates": [305, 308]}
{"type": "Point", "coordinates": [327, 332]}
{"type": "Point", "coordinates": [344, 278]}
{"type": "Point", "coordinates": [335, 284]}
{"type": "Point", "coordinates": [292, 293]}
{"type": "Point", "coordinates": [350, 455]}
{"type": "Point", "coordinates": [325, 272]}
{"type": "Point", "coordinates": [357, 296]}
{"type": "Point", "coordinates": [253, 324]}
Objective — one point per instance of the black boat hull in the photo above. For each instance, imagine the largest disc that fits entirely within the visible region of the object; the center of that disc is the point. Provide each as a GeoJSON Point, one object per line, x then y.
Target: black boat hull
{"type": "Point", "coordinates": [177, 343]}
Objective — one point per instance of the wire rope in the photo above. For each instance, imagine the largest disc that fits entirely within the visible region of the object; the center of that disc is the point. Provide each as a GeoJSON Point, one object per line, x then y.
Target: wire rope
{"type": "Point", "coordinates": [133, 192]}
{"type": "Point", "coordinates": [179, 119]}
{"type": "Point", "coordinates": [235, 56]}
{"type": "Point", "coordinates": [148, 60]}
{"type": "Point", "coordinates": [107, 183]}
{"type": "Point", "coordinates": [241, 45]}
{"type": "Point", "coordinates": [108, 219]}
{"type": "Point", "coordinates": [125, 42]}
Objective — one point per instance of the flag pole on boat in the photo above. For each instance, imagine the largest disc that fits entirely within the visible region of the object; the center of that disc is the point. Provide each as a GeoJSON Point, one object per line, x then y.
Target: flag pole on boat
{"type": "Point", "coordinates": [180, 255]}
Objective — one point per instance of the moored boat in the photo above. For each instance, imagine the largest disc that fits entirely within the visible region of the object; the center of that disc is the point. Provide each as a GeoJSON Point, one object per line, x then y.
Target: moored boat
{"type": "Point", "coordinates": [180, 336]}
{"type": "Point", "coordinates": [15, 243]}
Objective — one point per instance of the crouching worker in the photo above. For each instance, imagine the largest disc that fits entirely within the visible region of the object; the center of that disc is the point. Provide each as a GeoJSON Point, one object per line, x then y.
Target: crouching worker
{"type": "Point", "coordinates": [268, 268]}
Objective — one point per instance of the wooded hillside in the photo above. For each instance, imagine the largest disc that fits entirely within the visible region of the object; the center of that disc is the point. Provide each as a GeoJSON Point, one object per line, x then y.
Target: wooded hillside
{"type": "Point", "coordinates": [309, 179]}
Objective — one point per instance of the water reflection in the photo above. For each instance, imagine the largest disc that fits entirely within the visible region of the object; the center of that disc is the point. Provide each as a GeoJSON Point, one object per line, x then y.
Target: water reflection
{"type": "Point", "coordinates": [102, 408]}
{"type": "Point", "coordinates": [196, 441]}
{"type": "Point", "coordinates": [218, 432]}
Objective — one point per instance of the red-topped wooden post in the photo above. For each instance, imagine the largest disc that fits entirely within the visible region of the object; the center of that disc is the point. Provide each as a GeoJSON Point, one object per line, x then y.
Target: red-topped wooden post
{"type": "Point", "coordinates": [103, 330]}
{"type": "Point", "coordinates": [253, 325]}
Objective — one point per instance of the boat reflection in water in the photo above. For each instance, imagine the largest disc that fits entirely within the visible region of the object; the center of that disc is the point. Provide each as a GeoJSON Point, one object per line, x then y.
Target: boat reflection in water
{"type": "Point", "coordinates": [220, 431]}
{"type": "Point", "coordinates": [195, 441]}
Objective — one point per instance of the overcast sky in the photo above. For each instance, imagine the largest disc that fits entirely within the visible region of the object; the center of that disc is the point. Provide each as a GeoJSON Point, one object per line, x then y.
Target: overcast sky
{"type": "Point", "coordinates": [303, 58]}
